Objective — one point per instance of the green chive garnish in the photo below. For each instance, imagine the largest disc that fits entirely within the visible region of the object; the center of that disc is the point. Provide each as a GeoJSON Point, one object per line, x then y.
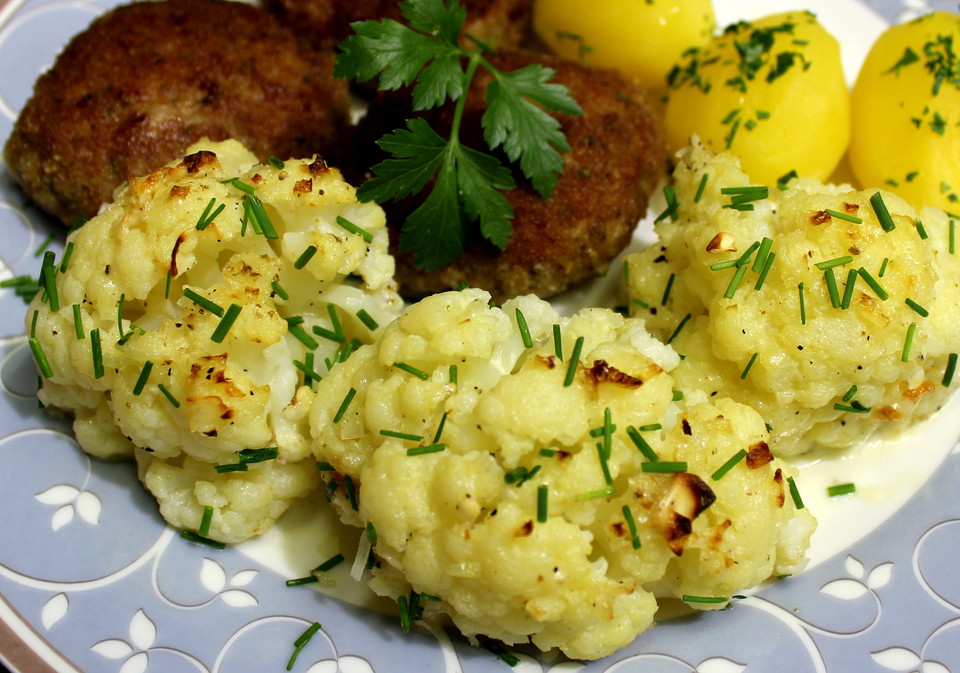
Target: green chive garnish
{"type": "Point", "coordinates": [371, 532]}
{"type": "Point", "coordinates": [301, 581]}
{"type": "Point", "coordinates": [853, 408]}
{"type": "Point", "coordinates": [524, 329]}
{"type": "Point", "coordinates": [600, 493]}
{"type": "Point", "coordinates": [329, 564]}
{"type": "Point", "coordinates": [676, 332]}
{"type": "Point", "coordinates": [401, 435]}
{"type": "Point", "coordinates": [142, 379]}
{"type": "Point", "coordinates": [166, 287]}
{"type": "Point", "coordinates": [43, 246]}
{"type": "Point", "coordinates": [50, 285]}
{"type": "Point", "coordinates": [557, 343]}
{"type": "Point", "coordinates": [253, 207]}
{"type": "Point", "coordinates": [642, 444]}
{"type": "Point", "coordinates": [231, 467]}
{"type": "Point", "coordinates": [908, 342]}
{"type": "Point", "coordinates": [631, 526]}
{"type": "Point", "coordinates": [664, 466]}
{"type": "Point", "coordinates": [279, 291]}
{"type": "Point", "coordinates": [190, 536]}
{"type": "Point", "coordinates": [305, 257]}
{"type": "Point", "coordinates": [832, 288]}
{"type": "Point", "coordinates": [849, 288]}
{"type": "Point", "coordinates": [746, 370]}
{"type": "Point", "coordinates": [422, 450]}
{"type": "Point", "coordinates": [921, 230]}
{"type": "Point", "coordinates": [300, 642]}
{"type": "Point", "coordinates": [841, 489]}
{"type": "Point", "coordinates": [765, 271]}
{"type": "Point", "coordinates": [667, 289]}
{"type": "Point", "coordinates": [803, 305]}
{"type": "Point", "coordinates": [239, 184]}
{"type": "Point", "coordinates": [874, 285]}
{"type": "Point", "coordinates": [843, 216]}
{"type": "Point", "coordinates": [203, 302]}
{"type": "Point", "coordinates": [324, 466]}
{"type": "Point", "coordinates": [170, 398]}
{"type": "Point", "coordinates": [336, 334]}
{"type": "Point", "coordinates": [704, 599]}
{"type": "Point", "coordinates": [67, 254]}
{"type": "Point", "coordinates": [795, 493]}
{"type": "Point", "coordinates": [701, 187]}
{"type": "Point", "coordinates": [916, 307]}
{"type": "Point", "coordinates": [207, 217]}
{"type": "Point", "coordinates": [850, 393]}
{"type": "Point", "coordinates": [762, 253]}
{"type": "Point", "coordinates": [96, 353]}
{"type": "Point", "coordinates": [670, 195]}
{"type": "Point", "coordinates": [735, 282]}
{"type": "Point", "coordinates": [950, 370]}
{"type": "Point", "coordinates": [452, 375]}
{"type": "Point", "coordinates": [354, 229]}
{"type": "Point", "coordinates": [574, 362]}
{"type": "Point", "coordinates": [40, 357]}
{"type": "Point", "coordinates": [542, 495]}
{"type": "Point", "coordinates": [205, 521]}
{"type": "Point", "coordinates": [77, 321]}
{"type": "Point", "coordinates": [347, 399]}
{"type": "Point", "coordinates": [226, 323]}
{"type": "Point", "coordinates": [880, 210]}
{"type": "Point", "coordinates": [367, 320]}
{"type": "Point", "coordinates": [439, 433]}
{"type": "Point", "coordinates": [729, 465]}
{"type": "Point", "coordinates": [410, 369]}
{"type": "Point", "coordinates": [830, 263]}
{"type": "Point", "coordinates": [301, 335]}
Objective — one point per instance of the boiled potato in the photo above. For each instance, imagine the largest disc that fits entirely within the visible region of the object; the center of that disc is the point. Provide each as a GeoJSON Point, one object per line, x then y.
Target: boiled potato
{"type": "Point", "coordinates": [641, 39]}
{"type": "Point", "coordinates": [906, 108]}
{"type": "Point", "coordinates": [771, 91]}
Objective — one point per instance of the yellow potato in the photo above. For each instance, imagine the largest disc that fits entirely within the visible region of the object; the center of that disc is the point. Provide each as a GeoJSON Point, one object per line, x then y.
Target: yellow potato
{"type": "Point", "coordinates": [771, 91]}
{"type": "Point", "coordinates": [906, 108]}
{"type": "Point", "coordinates": [641, 39]}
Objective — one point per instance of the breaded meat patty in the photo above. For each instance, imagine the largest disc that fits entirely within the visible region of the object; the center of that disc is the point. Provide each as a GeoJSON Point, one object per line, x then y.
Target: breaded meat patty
{"type": "Point", "coordinates": [148, 79]}
{"type": "Point", "coordinates": [616, 160]}
{"type": "Point", "coordinates": [327, 22]}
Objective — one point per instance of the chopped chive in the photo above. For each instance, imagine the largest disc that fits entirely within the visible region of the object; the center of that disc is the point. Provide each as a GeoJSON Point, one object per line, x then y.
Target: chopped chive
{"type": "Point", "coordinates": [874, 285]}
{"type": "Point", "coordinates": [950, 370]}
{"type": "Point", "coordinates": [422, 450]}
{"type": "Point", "coordinates": [453, 374]}
{"type": "Point", "coordinates": [324, 466]}
{"type": "Point", "coordinates": [120, 314]}
{"type": "Point", "coordinates": [16, 281]}
{"type": "Point", "coordinates": [548, 453]}
{"type": "Point", "coordinates": [301, 335]}
{"type": "Point", "coordinates": [632, 527]}
{"type": "Point", "coordinates": [664, 466]}
{"type": "Point", "coordinates": [190, 536]}
{"type": "Point", "coordinates": [497, 649]}
{"type": "Point", "coordinates": [96, 353]}
{"type": "Point", "coordinates": [50, 285]}
{"type": "Point", "coordinates": [701, 187]}
{"type": "Point", "coordinates": [371, 532]}
{"type": "Point", "coordinates": [230, 317]}
{"type": "Point", "coordinates": [604, 467]}
{"type": "Point", "coordinates": [276, 162]}
{"type": "Point", "coordinates": [832, 288]}
{"type": "Point", "coordinates": [43, 246]}
{"type": "Point", "coordinates": [403, 608]}
{"type": "Point", "coordinates": [142, 379]}
{"type": "Point", "coordinates": [574, 362]}
{"type": "Point", "coordinates": [40, 357]}
{"type": "Point", "coordinates": [850, 393]}
{"type": "Point", "coordinates": [642, 444]}
{"type": "Point", "coordinates": [709, 600]}
{"type": "Point", "coordinates": [347, 399]}
{"type": "Point", "coordinates": [329, 564]}
{"type": "Point", "coordinates": [908, 342]}
{"type": "Point", "coordinates": [880, 210]}
{"type": "Point", "coordinates": [745, 194]}
{"type": "Point", "coordinates": [354, 229]}
{"type": "Point", "coordinates": [765, 271]}
{"type": "Point", "coordinates": [735, 282]}
{"type": "Point", "coordinates": [170, 398]}
{"type": "Point", "coordinates": [351, 490]}
{"type": "Point", "coordinates": [795, 493]}
{"type": "Point", "coordinates": [203, 302]}
{"type": "Point", "coordinates": [593, 495]}
{"type": "Point", "coordinates": [917, 307]}
{"type": "Point", "coordinates": [279, 291]}
{"type": "Point", "coordinates": [401, 435]}
{"type": "Point", "coordinates": [259, 455]}
{"type": "Point", "coordinates": [254, 209]}
{"type": "Point", "coordinates": [670, 194]}
{"type": "Point", "coordinates": [682, 324]}
{"type": "Point", "coordinates": [205, 521]}
{"type": "Point", "coordinates": [677, 395]}
{"type": "Point", "coordinates": [785, 179]}
{"type": "Point", "coordinates": [239, 184]}
{"type": "Point", "coordinates": [410, 369]}
{"type": "Point", "coordinates": [309, 374]}
{"type": "Point", "coordinates": [667, 289]}
{"type": "Point", "coordinates": [762, 253]}
{"type": "Point", "coordinates": [300, 642]}
{"type": "Point", "coordinates": [207, 217]}
{"type": "Point", "coordinates": [166, 287]}
{"type": "Point", "coordinates": [336, 334]}
{"type": "Point", "coordinates": [729, 465]}
{"type": "Point", "coordinates": [837, 261]}
{"type": "Point", "coordinates": [841, 489]}
{"type": "Point", "coordinates": [231, 467]}
{"type": "Point", "coordinates": [77, 321]}
{"type": "Point", "coordinates": [557, 342]}
{"type": "Point", "coordinates": [849, 288]}
{"type": "Point", "coordinates": [720, 266]}
{"type": "Point", "coordinates": [641, 303]}
{"type": "Point", "coordinates": [367, 320]}
{"type": "Point", "coordinates": [843, 216]}
{"type": "Point", "coordinates": [305, 257]}
{"type": "Point", "coordinates": [443, 422]}
{"type": "Point", "coordinates": [542, 495]}
{"type": "Point", "coordinates": [853, 408]}
{"type": "Point", "coordinates": [921, 230]}
{"type": "Point", "coordinates": [301, 581]}
{"type": "Point", "coordinates": [746, 370]}
{"type": "Point", "coordinates": [33, 322]}
{"type": "Point", "coordinates": [803, 305]}
{"type": "Point", "coordinates": [67, 254]}
{"type": "Point", "coordinates": [524, 329]}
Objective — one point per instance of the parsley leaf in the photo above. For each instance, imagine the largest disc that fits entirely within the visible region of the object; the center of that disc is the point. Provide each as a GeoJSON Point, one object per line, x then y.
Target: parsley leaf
{"type": "Point", "coordinates": [467, 182]}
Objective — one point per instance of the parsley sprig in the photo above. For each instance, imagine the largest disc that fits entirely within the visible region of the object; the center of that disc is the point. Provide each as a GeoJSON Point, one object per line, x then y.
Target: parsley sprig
{"type": "Point", "coordinates": [426, 54]}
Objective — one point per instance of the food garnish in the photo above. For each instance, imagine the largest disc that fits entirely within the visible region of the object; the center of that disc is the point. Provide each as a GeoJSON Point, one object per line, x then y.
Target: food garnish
{"type": "Point", "coordinates": [466, 181]}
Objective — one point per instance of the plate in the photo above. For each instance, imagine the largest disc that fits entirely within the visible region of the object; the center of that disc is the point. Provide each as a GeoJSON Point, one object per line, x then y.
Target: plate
{"type": "Point", "coordinates": [92, 580]}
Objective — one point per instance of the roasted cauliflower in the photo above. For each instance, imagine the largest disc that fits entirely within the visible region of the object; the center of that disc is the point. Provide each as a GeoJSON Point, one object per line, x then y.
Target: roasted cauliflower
{"type": "Point", "coordinates": [187, 324]}
{"type": "Point", "coordinates": [828, 310]}
{"type": "Point", "coordinates": [536, 478]}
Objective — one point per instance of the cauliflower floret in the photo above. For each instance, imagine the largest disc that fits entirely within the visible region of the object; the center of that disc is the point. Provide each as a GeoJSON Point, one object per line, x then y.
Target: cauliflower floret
{"type": "Point", "coordinates": [217, 292]}
{"type": "Point", "coordinates": [506, 459]}
{"type": "Point", "coordinates": [841, 326]}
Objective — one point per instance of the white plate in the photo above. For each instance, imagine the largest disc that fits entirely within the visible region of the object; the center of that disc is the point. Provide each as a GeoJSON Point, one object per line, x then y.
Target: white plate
{"type": "Point", "coordinates": [91, 579]}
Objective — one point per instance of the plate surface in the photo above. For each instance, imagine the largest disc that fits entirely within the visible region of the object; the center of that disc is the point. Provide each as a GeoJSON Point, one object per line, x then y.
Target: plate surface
{"type": "Point", "coordinates": [92, 580]}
